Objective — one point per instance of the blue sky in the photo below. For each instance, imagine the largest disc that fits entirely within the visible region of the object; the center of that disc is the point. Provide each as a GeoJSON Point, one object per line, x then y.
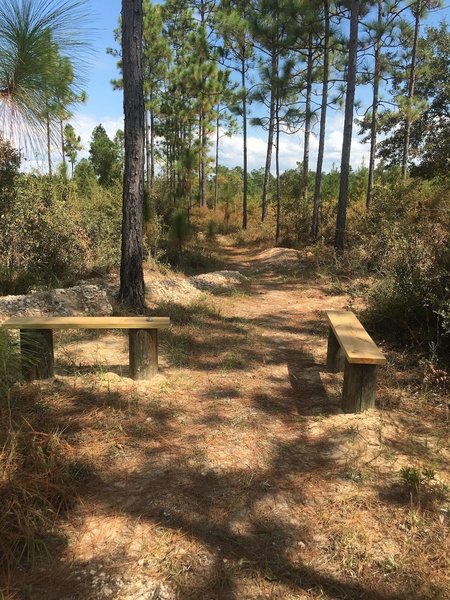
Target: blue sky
{"type": "Point", "coordinates": [104, 106]}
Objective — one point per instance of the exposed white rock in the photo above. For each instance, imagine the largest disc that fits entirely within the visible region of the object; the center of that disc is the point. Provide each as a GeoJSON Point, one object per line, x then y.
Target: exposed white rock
{"type": "Point", "coordinates": [89, 299]}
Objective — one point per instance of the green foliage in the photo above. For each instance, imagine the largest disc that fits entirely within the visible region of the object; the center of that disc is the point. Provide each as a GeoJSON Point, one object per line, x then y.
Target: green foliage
{"type": "Point", "coordinates": [36, 39]}
{"type": "Point", "coordinates": [422, 484]}
{"type": "Point", "coordinates": [84, 177]}
{"type": "Point", "coordinates": [52, 235]}
{"type": "Point", "coordinates": [10, 159]}
{"type": "Point", "coordinates": [407, 244]}
{"type": "Point", "coordinates": [428, 110]}
{"type": "Point", "coordinates": [179, 230]}
{"type": "Point", "coordinates": [414, 478]}
{"type": "Point", "coordinates": [10, 362]}
{"type": "Point", "coordinates": [105, 157]}
{"type": "Point", "coordinates": [72, 144]}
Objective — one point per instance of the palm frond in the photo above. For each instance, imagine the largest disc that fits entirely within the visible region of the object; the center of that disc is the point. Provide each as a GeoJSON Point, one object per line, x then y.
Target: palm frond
{"type": "Point", "coordinates": [32, 33]}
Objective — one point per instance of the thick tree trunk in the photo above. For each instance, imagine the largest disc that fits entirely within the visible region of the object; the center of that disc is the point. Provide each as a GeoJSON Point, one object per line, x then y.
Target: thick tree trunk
{"type": "Point", "coordinates": [307, 118]}
{"type": "Point", "coordinates": [244, 133]}
{"type": "Point", "coordinates": [132, 291]}
{"type": "Point", "coordinates": [411, 89]}
{"type": "Point", "coordinates": [216, 166]}
{"type": "Point", "coordinates": [152, 149]}
{"type": "Point", "coordinates": [274, 72]}
{"type": "Point", "coordinates": [147, 152]}
{"type": "Point", "coordinates": [374, 121]}
{"type": "Point", "coordinates": [323, 119]}
{"type": "Point", "coordinates": [204, 165]}
{"type": "Point", "coordinates": [277, 168]}
{"type": "Point", "coordinates": [348, 125]}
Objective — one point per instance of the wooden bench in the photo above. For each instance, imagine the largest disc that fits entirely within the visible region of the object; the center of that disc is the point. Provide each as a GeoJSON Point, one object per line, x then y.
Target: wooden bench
{"type": "Point", "coordinates": [352, 350]}
{"type": "Point", "coordinates": [36, 341]}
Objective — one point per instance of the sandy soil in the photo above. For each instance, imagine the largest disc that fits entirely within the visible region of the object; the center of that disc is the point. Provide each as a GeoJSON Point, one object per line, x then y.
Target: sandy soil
{"type": "Point", "coordinates": [234, 474]}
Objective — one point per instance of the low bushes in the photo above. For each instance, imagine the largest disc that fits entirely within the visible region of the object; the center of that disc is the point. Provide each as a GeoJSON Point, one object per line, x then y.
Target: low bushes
{"type": "Point", "coordinates": [51, 236]}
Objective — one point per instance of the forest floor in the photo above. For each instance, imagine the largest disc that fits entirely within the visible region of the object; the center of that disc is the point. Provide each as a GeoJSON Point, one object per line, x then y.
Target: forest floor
{"type": "Point", "coordinates": [234, 474]}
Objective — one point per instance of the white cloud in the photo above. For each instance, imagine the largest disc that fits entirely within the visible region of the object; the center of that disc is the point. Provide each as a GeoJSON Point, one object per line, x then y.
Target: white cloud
{"type": "Point", "coordinates": [231, 148]}
{"type": "Point", "coordinates": [85, 123]}
{"type": "Point", "coordinates": [291, 148]}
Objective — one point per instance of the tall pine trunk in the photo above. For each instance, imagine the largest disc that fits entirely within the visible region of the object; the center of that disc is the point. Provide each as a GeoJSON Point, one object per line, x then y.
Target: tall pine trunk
{"type": "Point", "coordinates": [348, 125]}
{"type": "Point", "coordinates": [411, 89]}
{"type": "Point", "coordinates": [152, 149]}
{"type": "Point", "coordinates": [274, 74]}
{"type": "Point", "coordinates": [147, 152]}
{"type": "Point", "coordinates": [203, 159]}
{"type": "Point", "coordinates": [277, 168]}
{"type": "Point", "coordinates": [132, 291]}
{"type": "Point", "coordinates": [49, 146]}
{"type": "Point", "coordinates": [244, 133]}
{"type": "Point", "coordinates": [323, 119]}
{"type": "Point", "coordinates": [374, 121]}
{"type": "Point", "coordinates": [307, 117]}
{"type": "Point", "coordinates": [61, 132]}
{"type": "Point", "coordinates": [216, 167]}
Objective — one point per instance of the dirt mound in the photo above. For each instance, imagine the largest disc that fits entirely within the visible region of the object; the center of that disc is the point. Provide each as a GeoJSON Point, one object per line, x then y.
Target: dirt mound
{"type": "Point", "coordinates": [179, 291]}
{"type": "Point", "coordinates": [78, 300]}
{"type": "Point", "coordinates": [186, 291]}
{"type": "Point", "coordinates": [279, 257]}
{"type": "Point", "coordinates": [99, 299]}
{"type": "Point", "coordinates": [218, 281]}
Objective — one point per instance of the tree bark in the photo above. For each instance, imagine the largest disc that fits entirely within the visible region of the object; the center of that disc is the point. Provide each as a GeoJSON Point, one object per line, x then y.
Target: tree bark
{"type": "Point", "coordinates": [244, 132]}
{"type": "Point", "coordinates": [307, 117]}
{"type": "Point", "coordinates": [323, 119]}
{"type": "Point", "coordinates": [411, 89]}
{"type": "Point", "coordinates": [277, 167]}
{"type": "Point", "coordinates": [374, 121]}
{"type": "Point", "coordinates": [152, 148]}
{"type": "Point", "coordinates": [348, 125]}
{"type": "Point", "coordinates": [61, 130]}
{"type": "Point", "coordinates": [216, 167]}
{"type": "Point", "coordinates": [274, 71]}
{"type": "Point", "coordinates": [147, 151]}
{"type": "Point", "coordinates": [132, 290]}
{"type": "Point", "coordinates": [49, 147]}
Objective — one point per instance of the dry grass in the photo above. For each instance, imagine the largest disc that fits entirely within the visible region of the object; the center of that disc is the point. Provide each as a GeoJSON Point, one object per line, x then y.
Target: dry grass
{"type": "Point", "coordinates": [233, 473]}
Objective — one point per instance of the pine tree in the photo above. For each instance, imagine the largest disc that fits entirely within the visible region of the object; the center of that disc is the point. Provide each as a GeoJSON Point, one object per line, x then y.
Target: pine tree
{"type": "Point", "coordinates": [323, 118]}
{"type": "Point", "coordinates": [355, 8]}
{"type": "Point", "coordinates": [233, 26]}
{"type": "Point", "coordinates": [104, 157]}
{"type": "Point", "coordinates": [72, 144]}
{"type": "Point", "coordinates": [132, 288]}
{"type": "Point", "coordinates": [273, 29]}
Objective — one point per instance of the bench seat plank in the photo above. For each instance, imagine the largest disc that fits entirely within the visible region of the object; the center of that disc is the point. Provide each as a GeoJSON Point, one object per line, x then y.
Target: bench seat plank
{"type": "Point", "coordinates": [356, 343]}
{"type": "Point", "coordinates": [86, 323]}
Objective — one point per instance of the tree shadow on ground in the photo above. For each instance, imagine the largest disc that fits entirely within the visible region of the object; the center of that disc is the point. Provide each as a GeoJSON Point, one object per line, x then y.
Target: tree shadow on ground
{"type": "Point", "coordinates": [232, 514]}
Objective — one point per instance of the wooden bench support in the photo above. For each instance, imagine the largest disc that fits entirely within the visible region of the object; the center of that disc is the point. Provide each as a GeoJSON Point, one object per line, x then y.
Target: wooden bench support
{"type": "Point", "coordinates": [352, 350]}
{"type": "Point", "coordinates": [143, 351]}
{"type": "Point", "coordinates": [36, 348]}
{"type": "Point", "coordinates": [36, 341]}
{"type": "Point", "coordinates": [358, 393]}
{"type": "Point", "coordinates": [335, 355]}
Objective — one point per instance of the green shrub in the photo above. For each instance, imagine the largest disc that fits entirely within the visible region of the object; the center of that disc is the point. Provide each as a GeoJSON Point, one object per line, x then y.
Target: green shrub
{"type": "Point", "coordinates": [406, 243]}
{"type": "Point", "coordinates": [179, 230]}
{"type": "Point", "coordinates": [52, 236]}
{"type": "Point", "coordinates": [10, 365]}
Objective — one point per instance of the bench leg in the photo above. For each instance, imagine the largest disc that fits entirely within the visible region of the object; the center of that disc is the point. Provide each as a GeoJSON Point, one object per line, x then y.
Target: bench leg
{"type": "Point", "coordinates": [143, 349]}
{"type": "Point", "coordinates": [359, 387]}
{"type": "Point", "coordinates": [335, 356]}
{"type": "Point", "coordinates": [36, 348]}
